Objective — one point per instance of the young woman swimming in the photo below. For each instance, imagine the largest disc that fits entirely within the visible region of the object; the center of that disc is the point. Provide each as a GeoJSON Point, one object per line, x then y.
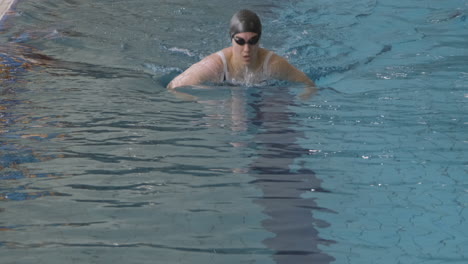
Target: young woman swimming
{"type": "Point", "coordinates": [244, 62]}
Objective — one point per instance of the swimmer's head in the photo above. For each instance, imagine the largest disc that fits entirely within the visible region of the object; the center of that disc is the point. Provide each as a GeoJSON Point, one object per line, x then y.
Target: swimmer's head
{"type": "Point", "coordinates": [245, 21]}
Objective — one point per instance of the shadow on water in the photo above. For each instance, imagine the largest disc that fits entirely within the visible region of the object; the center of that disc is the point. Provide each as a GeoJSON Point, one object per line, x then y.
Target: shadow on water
{"type": "Point", "coordinates": [291, 216]}
{"type": "Point", "coordinates": [12, 155]}
{"type": "Point", "coordinates": [17, 147]}
{"type": "Point", "coordinates": [16, 58]}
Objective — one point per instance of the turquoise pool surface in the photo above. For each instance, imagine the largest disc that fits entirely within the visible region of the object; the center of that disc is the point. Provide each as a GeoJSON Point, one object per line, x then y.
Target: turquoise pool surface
{"type": "Point", "coordinates": [99, 163]}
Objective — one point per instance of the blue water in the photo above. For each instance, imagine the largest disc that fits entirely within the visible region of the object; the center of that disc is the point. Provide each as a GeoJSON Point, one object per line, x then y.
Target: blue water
{"type": "Point", "coordinates": [100, 164]}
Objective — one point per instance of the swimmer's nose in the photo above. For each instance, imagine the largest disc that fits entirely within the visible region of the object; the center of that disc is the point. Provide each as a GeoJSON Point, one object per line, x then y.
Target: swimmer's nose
{"type": "Point", "coordinates": [247, 47]}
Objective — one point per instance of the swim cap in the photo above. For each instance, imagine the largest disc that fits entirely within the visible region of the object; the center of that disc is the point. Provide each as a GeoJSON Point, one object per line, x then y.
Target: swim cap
{"type": "Point", "coordinates": [245, 21]}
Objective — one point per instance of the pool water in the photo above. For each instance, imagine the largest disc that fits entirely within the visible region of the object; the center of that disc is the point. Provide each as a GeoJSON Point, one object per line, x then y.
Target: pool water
{"type": "Point", "coordinates": [100, 164]}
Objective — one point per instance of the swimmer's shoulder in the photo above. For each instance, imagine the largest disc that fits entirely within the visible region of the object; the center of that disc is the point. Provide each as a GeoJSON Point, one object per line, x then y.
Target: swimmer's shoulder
{"type": "Point", "coordinates": [276, 63]}
{"type": "Point", "coordinates": [280, 68]}
{"type": "Point", "coordinates": [227, 53]}
{"type": "Point", "coordinates": [215, 58]}
{"type": "Point", "coordinates": [274, 58]}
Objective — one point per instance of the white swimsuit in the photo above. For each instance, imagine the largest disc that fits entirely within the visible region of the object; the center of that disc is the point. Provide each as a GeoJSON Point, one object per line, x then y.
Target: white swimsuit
{"type": "Point", "coordinates": [259, 79]}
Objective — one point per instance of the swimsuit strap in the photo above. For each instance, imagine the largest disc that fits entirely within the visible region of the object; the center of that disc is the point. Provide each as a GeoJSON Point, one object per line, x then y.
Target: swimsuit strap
{"type": "Point", "coordinates": [225, 68]}
{"type": "Point", "coordinates": [265, 63]}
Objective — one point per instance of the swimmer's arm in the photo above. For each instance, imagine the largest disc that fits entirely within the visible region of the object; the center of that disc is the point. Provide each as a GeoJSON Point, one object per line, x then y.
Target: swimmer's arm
{"type": "Point", "coordinates": [281, 69]}
{"type": "Point", "coordinates": [207, 70]}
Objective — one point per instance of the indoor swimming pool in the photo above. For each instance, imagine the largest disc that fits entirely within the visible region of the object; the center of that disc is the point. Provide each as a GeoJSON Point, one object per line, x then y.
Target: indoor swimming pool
{"type": "Point", "coordinates": [99, 163]}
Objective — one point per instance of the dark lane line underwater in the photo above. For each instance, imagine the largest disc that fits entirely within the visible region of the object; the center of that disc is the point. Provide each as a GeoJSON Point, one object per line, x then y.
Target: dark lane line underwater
{"type": "Point", "coordinates": [291, 216]}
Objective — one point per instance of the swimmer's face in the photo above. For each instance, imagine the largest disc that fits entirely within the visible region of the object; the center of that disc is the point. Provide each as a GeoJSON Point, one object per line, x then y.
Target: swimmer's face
{"type": "Point", "coordinates": [245, 47]}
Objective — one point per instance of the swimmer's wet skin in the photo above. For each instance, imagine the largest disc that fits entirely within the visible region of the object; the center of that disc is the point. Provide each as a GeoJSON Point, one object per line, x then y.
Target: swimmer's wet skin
{"type": "Point", "coordinates": [4, 7]}
{"type": "Point", "coordinates": [243, 63]}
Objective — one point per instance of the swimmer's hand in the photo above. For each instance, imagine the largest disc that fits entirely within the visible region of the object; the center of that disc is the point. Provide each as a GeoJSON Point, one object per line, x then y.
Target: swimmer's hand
{"type": "Point", "coordinates": [183, 96]}
{"type": "Point", "coordinates": [308, 92]}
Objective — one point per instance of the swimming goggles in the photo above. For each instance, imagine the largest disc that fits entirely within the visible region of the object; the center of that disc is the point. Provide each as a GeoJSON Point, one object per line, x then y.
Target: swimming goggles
{"type": "Point", "coordinates": [242, 41]}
